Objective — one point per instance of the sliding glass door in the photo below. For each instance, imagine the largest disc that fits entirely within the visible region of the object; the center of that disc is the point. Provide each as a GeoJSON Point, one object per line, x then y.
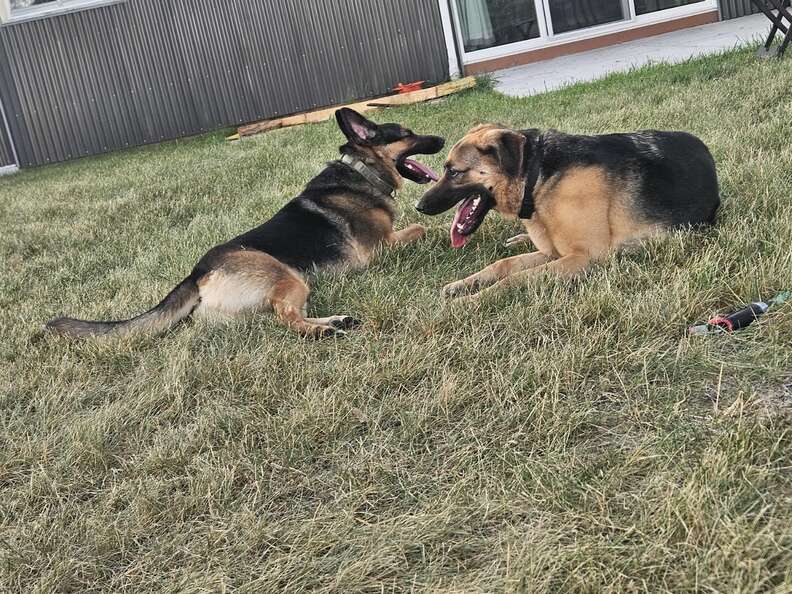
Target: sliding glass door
{"type": "Point", "coordinates": [570, 15]}
{"type": "Point", "coordinates": [489, 23]}
{"type": "Point", "coordinates": [647, 6]}
{"type": "Point", "coordinates": [485, 27]}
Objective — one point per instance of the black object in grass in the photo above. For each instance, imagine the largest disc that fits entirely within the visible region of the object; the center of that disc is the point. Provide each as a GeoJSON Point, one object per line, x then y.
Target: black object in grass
{"type": "Point", "coordinates": [739, 319]}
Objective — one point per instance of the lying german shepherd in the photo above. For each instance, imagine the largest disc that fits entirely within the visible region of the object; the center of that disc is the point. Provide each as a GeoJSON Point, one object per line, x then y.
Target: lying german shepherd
{"type": "Point", "coordinates": [343, 214]}
{"type": "Point", "coordinates": [579, 197]}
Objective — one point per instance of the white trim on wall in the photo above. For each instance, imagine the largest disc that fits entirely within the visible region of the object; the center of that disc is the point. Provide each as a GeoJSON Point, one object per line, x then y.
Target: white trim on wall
{"type": "Point", "coordinates": [7, 129]}
{"type": "Point", "coordinates": [454, 67]}
{"type": "Point", "coordinates": [9, 169]}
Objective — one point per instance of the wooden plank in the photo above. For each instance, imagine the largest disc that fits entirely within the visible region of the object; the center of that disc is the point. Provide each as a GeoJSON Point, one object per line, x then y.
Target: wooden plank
{"type": "Point", "coordinates": [321, 115]}
{"type": "Point", "coordinates": [426, 94]}
{"type": "Point", "coordinates": [406, 98]}
{"type": "Point", "coordinates": [308, 117]}
{"type": "Point", "coordinates": [456, 85]}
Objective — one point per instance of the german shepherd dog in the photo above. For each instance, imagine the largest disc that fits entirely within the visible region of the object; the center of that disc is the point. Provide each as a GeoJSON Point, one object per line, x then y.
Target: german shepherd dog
{"type": "Point", "coordinates": [578, 197]}
{"type": "Point", "coordinates": [337, 222]}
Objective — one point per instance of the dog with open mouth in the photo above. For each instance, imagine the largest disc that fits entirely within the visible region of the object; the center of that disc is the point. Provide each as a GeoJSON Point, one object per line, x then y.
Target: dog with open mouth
{"type": "Point", "coordinates": [579, 197]}
{"type": "Point", "coordinates": [337, 222]}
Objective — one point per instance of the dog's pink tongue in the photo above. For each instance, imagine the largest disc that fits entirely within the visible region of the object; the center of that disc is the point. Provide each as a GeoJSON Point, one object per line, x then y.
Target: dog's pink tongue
{"type": "Point", "coordinates": [421, 168]}
{"type": "Point", "coordinates": [457, 239]}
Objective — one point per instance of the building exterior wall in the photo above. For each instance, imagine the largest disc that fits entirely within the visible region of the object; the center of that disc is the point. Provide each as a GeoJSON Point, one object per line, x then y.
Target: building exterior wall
{"type": "Point", "coordinates": [143, 71]}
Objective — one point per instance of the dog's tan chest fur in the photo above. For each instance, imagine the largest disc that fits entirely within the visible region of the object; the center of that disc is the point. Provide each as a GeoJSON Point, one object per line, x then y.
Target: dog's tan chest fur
{"type": "Point", "coordinates": [583, 212]}
{"type": "Point", "coordinates": [362, 246]}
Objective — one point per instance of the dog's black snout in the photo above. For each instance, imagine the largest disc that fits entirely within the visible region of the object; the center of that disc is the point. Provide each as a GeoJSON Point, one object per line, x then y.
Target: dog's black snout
{"type": "Point", "coordinates": [419, 207]}
{"type": "Point", "coordinates": [429, 145]}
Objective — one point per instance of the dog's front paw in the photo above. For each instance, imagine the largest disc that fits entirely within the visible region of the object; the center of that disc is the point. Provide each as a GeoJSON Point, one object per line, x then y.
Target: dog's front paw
{"type": "Point", "coordinates": [345, 323]}
{"type": "Point", "coordinates": [417, 230]}
{"type": "Point", "coordinates": [517, 239]}
{"type": "Point", "coordinates": [321, 332]}
{"type": "Point", "coordinates": [458, 289]}
{"type": "Point", "coordinates": [468, 301]}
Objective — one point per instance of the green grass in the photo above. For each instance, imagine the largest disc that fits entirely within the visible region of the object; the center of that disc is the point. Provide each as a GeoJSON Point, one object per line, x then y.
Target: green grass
{"type": "Point", "coordinates": [563, 437]}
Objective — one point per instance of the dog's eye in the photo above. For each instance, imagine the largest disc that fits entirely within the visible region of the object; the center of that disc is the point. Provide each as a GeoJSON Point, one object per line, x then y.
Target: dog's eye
{"type": "Point", "coordinates": [453, 172]}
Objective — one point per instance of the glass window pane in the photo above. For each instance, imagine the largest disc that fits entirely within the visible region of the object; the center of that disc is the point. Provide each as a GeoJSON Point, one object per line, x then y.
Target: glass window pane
{"type": "Point", "coordinates": [569, 15]}
{"type": "Point", "coordinates": [489, 23]}
{"type": "Point", "coordinates": [19, 4]}
{"type": "Point", "coordinates": [647, 6]}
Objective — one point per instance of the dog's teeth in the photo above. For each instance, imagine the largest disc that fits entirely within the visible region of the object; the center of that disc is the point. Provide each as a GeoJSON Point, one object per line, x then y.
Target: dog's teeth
{"type": "Point", "coordinates": [460, 227]}
{"type": "Point", "coordinates": [476, 202]}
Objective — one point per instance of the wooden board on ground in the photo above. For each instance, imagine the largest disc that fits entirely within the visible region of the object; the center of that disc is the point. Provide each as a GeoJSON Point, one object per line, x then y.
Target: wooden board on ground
{"type": "Point", "coordinates": [425, 94]}
{"type": "Point", "coordinates": [321, 115]}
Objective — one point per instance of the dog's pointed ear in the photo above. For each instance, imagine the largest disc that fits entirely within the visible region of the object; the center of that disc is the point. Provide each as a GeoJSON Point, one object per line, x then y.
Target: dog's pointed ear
{"type": "Point", "coordinates": [510, 150]}
{"type": "Point", "coordinates": [354, 126]}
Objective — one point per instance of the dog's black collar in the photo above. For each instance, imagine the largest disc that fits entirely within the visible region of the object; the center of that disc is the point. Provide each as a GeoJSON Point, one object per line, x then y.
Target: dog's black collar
{"type": "Point", "coordinates": [369, 174]}
{"type": "Point", "coordinates": [532, 163]}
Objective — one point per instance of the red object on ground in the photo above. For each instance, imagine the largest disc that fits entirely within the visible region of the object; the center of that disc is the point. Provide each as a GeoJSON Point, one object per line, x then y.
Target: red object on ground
{"type": "Point", "coordinates": [723, 322]}
{"type": "Point", "coordinates": [402, 88]}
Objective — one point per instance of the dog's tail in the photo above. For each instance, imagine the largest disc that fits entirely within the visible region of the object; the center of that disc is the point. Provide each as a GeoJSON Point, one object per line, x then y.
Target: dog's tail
{"type": "Point", "coordinates": [176, 306]}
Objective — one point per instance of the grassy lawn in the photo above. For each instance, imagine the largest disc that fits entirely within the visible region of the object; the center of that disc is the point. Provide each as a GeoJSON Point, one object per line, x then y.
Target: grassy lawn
{"type": "Point", "coordinates": [564, 437]}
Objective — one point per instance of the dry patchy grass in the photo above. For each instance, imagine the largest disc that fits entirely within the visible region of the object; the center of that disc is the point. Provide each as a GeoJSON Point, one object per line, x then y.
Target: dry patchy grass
{"type": "Point", "coordinates": [564, 437]}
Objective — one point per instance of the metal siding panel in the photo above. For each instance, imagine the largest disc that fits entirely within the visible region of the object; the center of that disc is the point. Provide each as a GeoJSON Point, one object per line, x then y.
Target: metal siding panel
{"type": "Point", "coordinates": [160, 90]}
{"type": "Point", "coordinates": [278, 85]}
{"type": "Point", "coordinates": [150, 70]}
{"type": "Point", "coordinates": [732, 9]}
{"type": "Point", "coordinates": [68, 104]}
{"type": "Point", "coordinates": [215, 62]}
{"type": "Point", "coordinates": [11, 103]}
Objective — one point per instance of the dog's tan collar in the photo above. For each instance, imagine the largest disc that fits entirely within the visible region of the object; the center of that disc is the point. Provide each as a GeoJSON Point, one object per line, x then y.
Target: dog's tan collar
{"type": "Point", "coordinates": [369, 174]}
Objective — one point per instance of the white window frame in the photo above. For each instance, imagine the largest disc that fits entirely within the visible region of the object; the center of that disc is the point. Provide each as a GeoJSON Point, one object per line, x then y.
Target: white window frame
{"type": "Point", "coordinates": [547, 38]}
{"type": "Point", "coordinates": [56, 7]}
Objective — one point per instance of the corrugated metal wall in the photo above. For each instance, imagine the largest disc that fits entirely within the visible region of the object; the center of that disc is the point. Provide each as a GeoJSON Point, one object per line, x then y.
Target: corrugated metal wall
{"type": "Point", "coordinates": [731, 9]}
{"type": "Point", "coordinates": [148, 70]}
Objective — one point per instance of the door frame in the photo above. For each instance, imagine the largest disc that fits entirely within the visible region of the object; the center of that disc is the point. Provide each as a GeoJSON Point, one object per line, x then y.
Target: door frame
{"type": "Point", "coordinates": [5, 169]}
{"type": "Point", "coordinates": [547, 38]}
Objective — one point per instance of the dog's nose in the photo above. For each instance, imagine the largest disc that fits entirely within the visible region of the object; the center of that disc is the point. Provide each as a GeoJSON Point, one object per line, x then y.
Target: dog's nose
{"type": "Point", "coordinates": [419, 208]}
